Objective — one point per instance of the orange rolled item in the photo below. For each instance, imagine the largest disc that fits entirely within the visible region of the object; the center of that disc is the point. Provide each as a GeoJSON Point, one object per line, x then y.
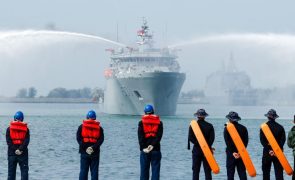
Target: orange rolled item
{"type": "Point", "coordinates": [205, 148]}
{"type": "Point", "coordinates": [276, 149]}
{"type": "Point", "coordinates": [241, 149]}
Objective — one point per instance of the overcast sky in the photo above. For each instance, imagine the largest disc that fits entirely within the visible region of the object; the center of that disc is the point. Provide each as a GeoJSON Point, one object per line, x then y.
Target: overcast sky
{"type": "Point", "coordinates": [75, 64]}
{"type": "Point", "coordinates": [184, 19]}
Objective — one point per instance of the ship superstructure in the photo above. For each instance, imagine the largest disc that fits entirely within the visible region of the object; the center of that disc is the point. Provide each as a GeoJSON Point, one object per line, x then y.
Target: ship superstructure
{"type": "Point", "coordinates": [229, 86]}
{"type": "Point", "coordinates": [143, 75]}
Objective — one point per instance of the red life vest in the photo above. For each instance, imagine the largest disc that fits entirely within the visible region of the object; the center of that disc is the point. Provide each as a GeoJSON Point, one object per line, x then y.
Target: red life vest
{"type": "Point", "coordinates": [18, 131]}
{"type": "Point", "coordinates": [90, 131]}
{"type": "Point", "coordinates": [150, 125]}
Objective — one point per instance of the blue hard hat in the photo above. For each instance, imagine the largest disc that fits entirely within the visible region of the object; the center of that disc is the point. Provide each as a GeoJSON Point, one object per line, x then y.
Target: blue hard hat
{"type": "Point", "coordinates": [19, 116]}
{"type": "Point", "coordinates": [91, 115]}
{"type": "Point", "coordinates": [148, 109]}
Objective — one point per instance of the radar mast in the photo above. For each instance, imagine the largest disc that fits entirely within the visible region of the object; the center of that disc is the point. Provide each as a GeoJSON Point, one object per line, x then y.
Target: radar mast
{"type": "Point", "coordinates": [145, 38]}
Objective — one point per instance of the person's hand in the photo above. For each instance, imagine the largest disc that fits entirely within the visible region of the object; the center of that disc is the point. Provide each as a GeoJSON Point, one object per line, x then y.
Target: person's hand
{"type": "Point", "coordinates": [145, 150]}
{"type": "Point", "coordinates": [271, 153]}
{"type": "Point", "coordinates": [89, 150]}
{"type": "Point", "coordinates": [236, 155]}
{"type": "Point", "coordinates": [18, 152]}
{"type": "Point", "coordinates": [148, 149]}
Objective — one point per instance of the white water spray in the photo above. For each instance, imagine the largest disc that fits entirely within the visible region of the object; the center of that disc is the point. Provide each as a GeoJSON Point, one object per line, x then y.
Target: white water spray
{"type": "Point", "coordinates": [282, 45]}
{"type": "Point", "coordinates": [7, 35]}
{"type": "Point", "coordinates": [31, 56]}
{"type": "Point", "coordinates": [270, 39]}
{"type": "Point", "coordinates": [14, 43]}
{"type": "Point", "coordinates": [268, 58]}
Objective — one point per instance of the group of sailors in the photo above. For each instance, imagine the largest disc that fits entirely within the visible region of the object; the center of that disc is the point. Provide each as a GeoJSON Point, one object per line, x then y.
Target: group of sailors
{"type": "Point", "coordinates": [233, 158]}
{"type": "Point", "coordinates": [150, 130]}
{"type": "Point", "coordinates": [90, 136]}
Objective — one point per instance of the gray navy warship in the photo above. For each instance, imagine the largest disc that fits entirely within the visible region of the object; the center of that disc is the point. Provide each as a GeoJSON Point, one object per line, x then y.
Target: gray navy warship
{"type": "Point", "coordinates": [229, 86]}
{"type": "Point", "coordinates": [142, 75]}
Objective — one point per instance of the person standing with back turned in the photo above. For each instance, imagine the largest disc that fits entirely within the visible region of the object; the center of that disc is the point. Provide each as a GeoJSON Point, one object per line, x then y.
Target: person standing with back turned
{"type": "Point", "coordinates": [90, 137]}
{"type": "Point", "coordinates": [269, 157]}
{"type": "Point", "coordinates": [233, 158]}
{"type": "Point", "coordinates": [197, 153]}
{"type": "Point", "coordinates": [18, 139]}
{"type": "Point", "coordinates": [150, 131]}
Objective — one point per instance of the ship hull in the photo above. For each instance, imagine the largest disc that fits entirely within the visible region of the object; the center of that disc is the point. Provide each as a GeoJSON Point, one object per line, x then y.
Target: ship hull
{"type": "Point", "coordinates": [129, 95]}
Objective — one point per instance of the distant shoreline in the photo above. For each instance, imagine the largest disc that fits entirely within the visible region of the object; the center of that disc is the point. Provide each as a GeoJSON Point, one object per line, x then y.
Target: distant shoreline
{"type": "Point", "coordinates": [74, 100]}
{"type": "Point", "coordinates": [47, 100]}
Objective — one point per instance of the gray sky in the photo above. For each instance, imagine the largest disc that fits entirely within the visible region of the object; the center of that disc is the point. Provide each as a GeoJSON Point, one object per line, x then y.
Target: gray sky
{"type": "Point", "coordinates": [74, 64]}
{"type": "Point", "coordinates": [184, 19]}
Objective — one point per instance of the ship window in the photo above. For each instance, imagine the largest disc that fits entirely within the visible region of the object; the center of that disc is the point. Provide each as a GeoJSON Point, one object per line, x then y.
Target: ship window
{"type": "Point", "coordinates": [138, 95]}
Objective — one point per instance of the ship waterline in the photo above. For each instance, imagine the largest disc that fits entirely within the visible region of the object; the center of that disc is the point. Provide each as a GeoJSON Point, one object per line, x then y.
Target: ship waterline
{"type": "Point", "coordinates": [129, 95]}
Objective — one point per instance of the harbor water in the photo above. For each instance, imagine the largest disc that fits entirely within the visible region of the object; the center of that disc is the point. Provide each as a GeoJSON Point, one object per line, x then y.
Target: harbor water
{"type": "Point", "coordinates": [53, 150]}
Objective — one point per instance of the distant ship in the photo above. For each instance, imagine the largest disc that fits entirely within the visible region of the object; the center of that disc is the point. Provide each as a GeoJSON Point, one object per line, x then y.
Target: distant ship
{"type": "Point", "coordinates": [142, 75]}
{"type": "Point", "coordinates": [229, 86]}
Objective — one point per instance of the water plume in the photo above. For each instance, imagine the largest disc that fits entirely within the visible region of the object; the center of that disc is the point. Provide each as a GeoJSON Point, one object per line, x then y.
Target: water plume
{"type": "Point", "coordinates": [31, 57]}
{"type": "Point", "coordinates": [269, 58]}
{"type": "Point", "coordinates": [280, 46]}
{"type": "Point", "coordinates": [13, 42]}
{"type": "Point", "coordinates": [267, 39]}
{"type": "Point", "coordinates": [6, 35]}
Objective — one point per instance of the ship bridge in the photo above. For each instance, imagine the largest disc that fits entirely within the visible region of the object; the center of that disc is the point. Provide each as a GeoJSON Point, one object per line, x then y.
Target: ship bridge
{"type": "Point", "coordinates": [135, 61]}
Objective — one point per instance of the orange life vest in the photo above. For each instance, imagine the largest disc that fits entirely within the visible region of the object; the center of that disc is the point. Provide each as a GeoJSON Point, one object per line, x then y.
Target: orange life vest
{"type": "Point", "coordinates": [18, 131]}
{"type": "Point", "coordinates": [90, 131]}
{"type": "Point", "coordinates": [150, 125]}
